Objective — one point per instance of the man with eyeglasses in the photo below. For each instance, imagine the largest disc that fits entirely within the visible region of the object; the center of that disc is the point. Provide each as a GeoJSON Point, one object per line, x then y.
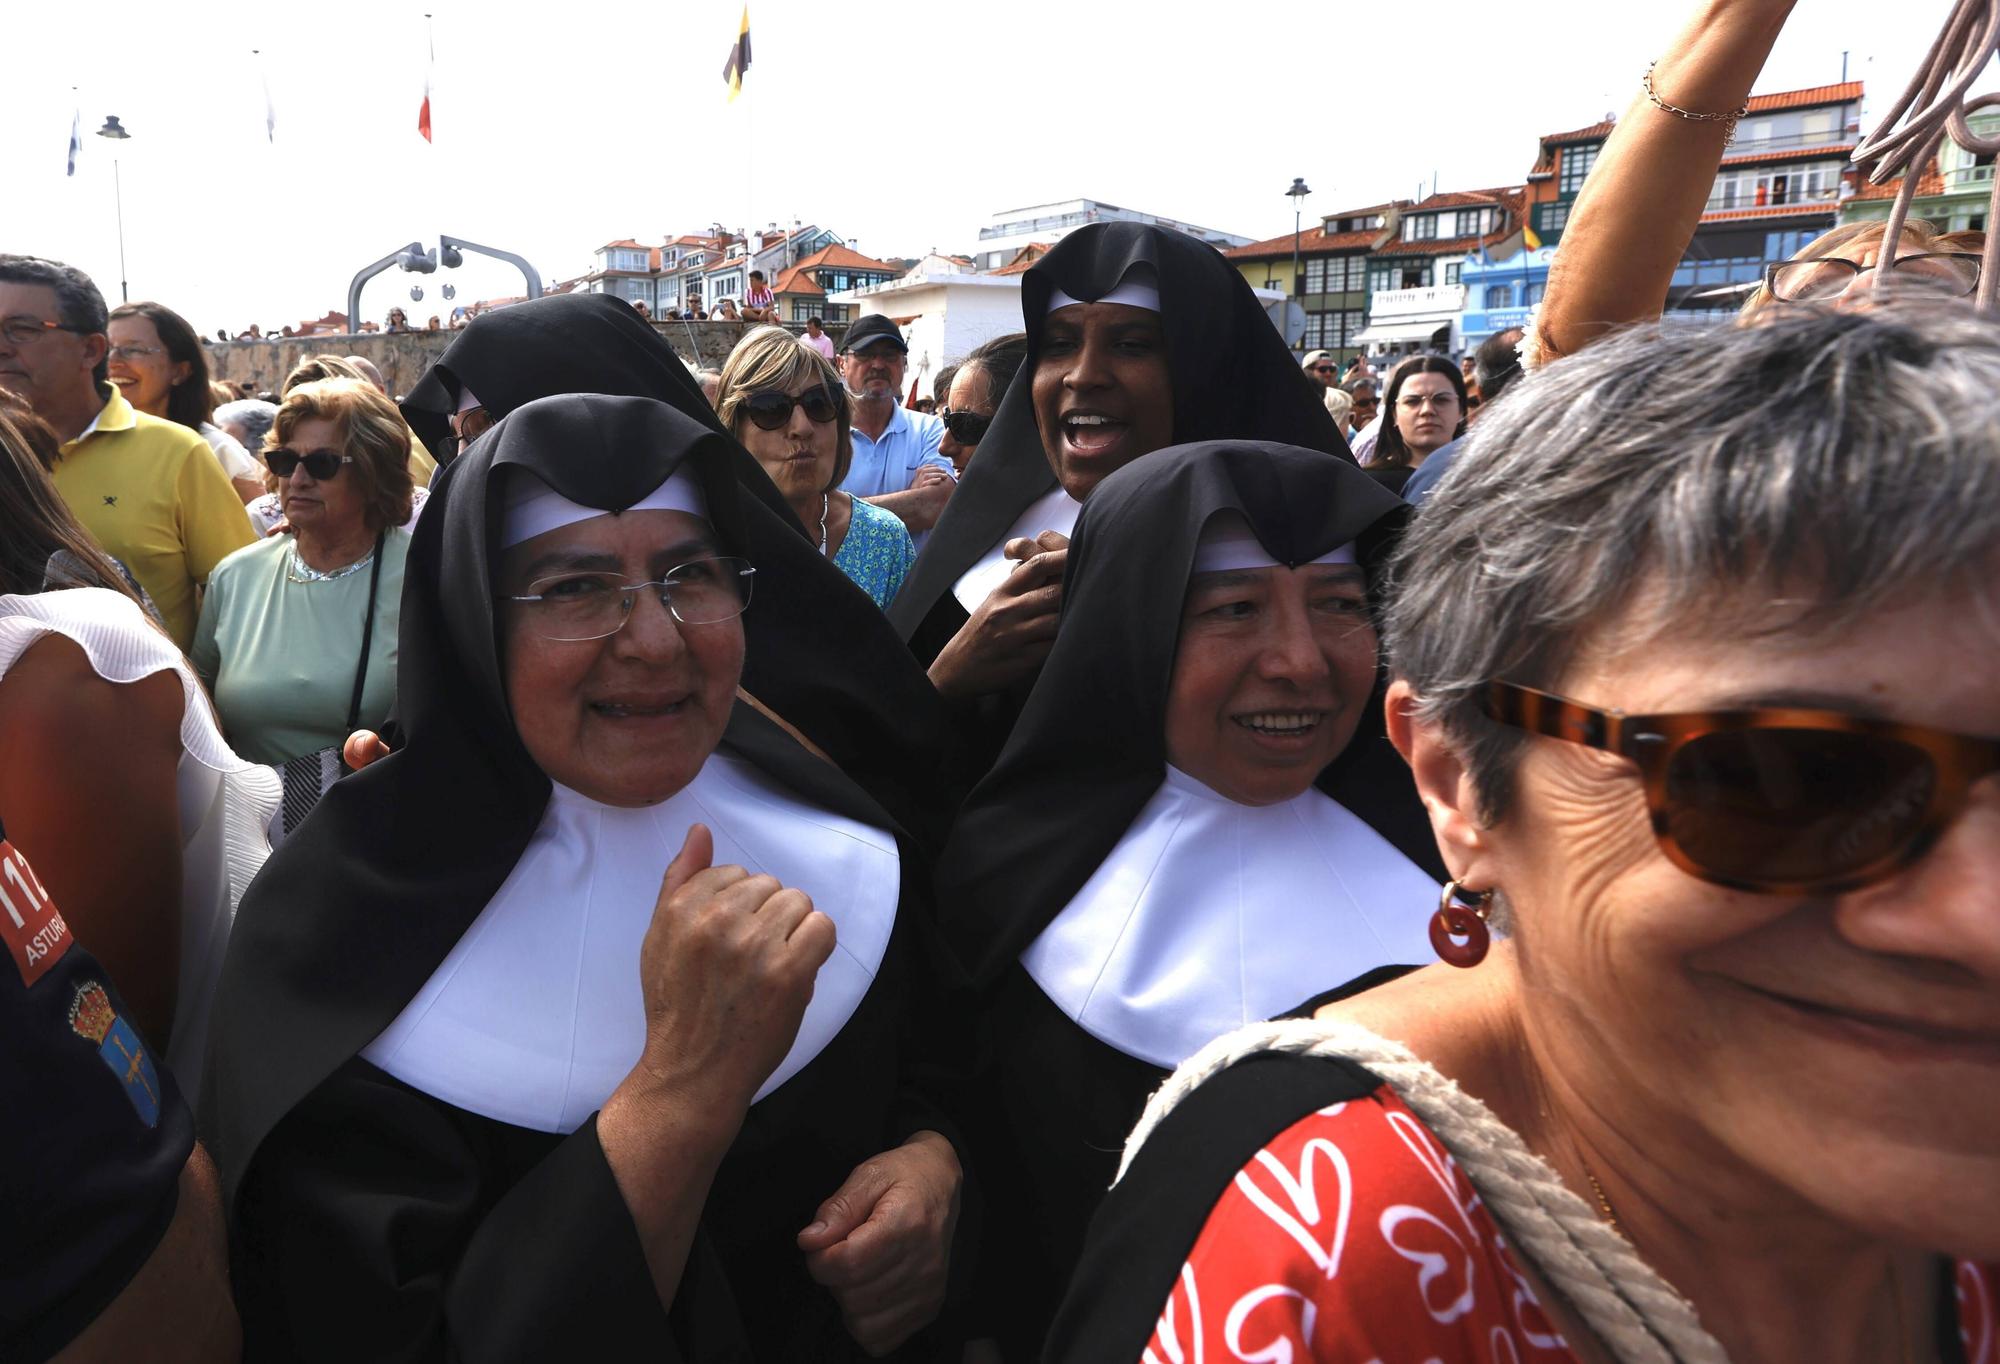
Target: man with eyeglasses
{"type": "Point", "coordinates": [1320, 368]}
{"type": "Point", "coordinates": [896, 461]}
{"type": "Point", "coordinates": [148, 490]}
{"type": "Point", "coordinates": [1366, 405]}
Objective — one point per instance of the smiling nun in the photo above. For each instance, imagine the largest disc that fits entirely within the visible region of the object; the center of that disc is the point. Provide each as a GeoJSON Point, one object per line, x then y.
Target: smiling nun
{"type": "Point", "coordinates": [1187, 830]}
{"type": "Point", "coordinates": [1138, 338]}
{"type": "Point", "coordinates": [556, 1031]}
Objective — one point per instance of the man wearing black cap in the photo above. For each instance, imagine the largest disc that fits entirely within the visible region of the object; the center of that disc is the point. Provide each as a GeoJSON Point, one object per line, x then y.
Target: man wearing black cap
{"type": "Point", "coordinates": [896, 461]}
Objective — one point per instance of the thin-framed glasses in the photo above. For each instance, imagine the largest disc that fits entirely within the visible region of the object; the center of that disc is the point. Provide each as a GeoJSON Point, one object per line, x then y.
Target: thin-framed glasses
{"type": "Point", "coordinates": [571, 607]}
{"type": "Point", "coordinates": [130, 353]}
{"type": "Point", "coordinates": [22, 331]}
{"type": "Point", "coordinates": [1778, 800]}
{"type": "Point", "coordinates": [1948, 274]}
{"type": "Point", "coordinates": [1414, 402]}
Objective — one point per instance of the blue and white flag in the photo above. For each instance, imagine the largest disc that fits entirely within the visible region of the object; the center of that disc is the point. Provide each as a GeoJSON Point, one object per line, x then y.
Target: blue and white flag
{"type": "Point", "coordinates": [75, 139]}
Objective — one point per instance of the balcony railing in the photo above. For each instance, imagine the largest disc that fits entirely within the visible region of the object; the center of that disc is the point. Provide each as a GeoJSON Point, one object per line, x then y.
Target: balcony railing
{"type": "Point", "coordinates": [1436, 298]}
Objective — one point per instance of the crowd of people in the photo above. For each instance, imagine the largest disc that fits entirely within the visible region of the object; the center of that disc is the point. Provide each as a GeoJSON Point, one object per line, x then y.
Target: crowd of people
{"type": "Point", "coordinates": [590, 855]}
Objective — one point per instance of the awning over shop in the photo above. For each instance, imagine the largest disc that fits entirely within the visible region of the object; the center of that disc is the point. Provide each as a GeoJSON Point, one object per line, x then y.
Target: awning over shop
{"type": "Point", "coordinates": [1420, 329]}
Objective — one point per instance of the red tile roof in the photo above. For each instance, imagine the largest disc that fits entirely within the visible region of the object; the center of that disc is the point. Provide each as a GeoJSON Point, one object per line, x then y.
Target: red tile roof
{"type": "Point", "coordinates": [1805, 99]}
{"type": "Point", "coordinates": [837, 255]}
{"type": "Point", "coordinates": [1744, 215]}
{"type": "Point", "coordinates": [1313, 241]}
{"type": "Point", "coordinates": [1590, 134]}
{"type": "Point", "coordinates": [1452, 246]}
{"type": "Point", "coordinates": [1929, 185]}
{"type": "Point", "coordinates": [1024, 259]}
{"type": "Point", "coordinates": [1840, 150]}
{"type": "Point", "coordinates": [798, 280]}
{"type": "Point", "coordinates": [1505, 196]}
{"type": "Point", "coordinates": [627, 243]}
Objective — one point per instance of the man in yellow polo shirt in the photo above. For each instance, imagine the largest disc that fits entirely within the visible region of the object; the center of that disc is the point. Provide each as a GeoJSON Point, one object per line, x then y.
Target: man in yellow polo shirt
{"type": "Point", "coordinates": [149, 491]}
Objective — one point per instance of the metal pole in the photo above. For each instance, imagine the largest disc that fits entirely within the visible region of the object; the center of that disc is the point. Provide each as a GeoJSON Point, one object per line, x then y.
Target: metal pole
{"type": "Point", "coordinates": [118, 194]}
{"type": "Point", "coordinates": [1298, 288]}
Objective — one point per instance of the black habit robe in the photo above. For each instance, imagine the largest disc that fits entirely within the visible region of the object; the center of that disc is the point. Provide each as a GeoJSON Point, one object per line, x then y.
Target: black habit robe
{"type": "Point", "coordinates": [371, 1220]}
{"type": "Point", "coordinates": [1232, 378]}
{"type": "Point", "coordinates": [1087, 755]}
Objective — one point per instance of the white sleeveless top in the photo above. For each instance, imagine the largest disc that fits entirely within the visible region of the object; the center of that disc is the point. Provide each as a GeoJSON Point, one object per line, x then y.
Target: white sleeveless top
{"type": "Point", "coordinates": [536, 1015]}
{"type": "Point", "coordinates": [1054, 510]}
{"type": "Point", "coordinates": [225, 802]}
{"type": "Point", "coordinates": [1210, 914]}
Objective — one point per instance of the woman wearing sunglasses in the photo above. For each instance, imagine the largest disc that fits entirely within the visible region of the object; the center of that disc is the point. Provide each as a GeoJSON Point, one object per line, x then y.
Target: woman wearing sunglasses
{"type": "Point", "coordinates": [1696, 679]}
{"type": "Point", "coordinates": [785, 404]}
{"type": "Point", "coordinates": [978, 382]}
{"type": "Point", "coordinates": [297, 637]}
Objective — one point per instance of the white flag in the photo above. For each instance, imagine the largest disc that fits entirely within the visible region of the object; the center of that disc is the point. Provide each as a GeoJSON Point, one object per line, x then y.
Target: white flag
{"type": "Point", "coordinates": [75, 139]}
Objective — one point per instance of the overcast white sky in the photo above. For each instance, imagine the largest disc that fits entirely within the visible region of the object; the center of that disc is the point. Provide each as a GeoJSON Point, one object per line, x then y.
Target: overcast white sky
{"type": "Point", "coordinates": [902, 123]}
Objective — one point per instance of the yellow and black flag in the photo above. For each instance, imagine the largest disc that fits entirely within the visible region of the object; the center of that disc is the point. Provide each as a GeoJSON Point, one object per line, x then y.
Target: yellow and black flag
{"type": "Point", "coordinates": [739, 58]}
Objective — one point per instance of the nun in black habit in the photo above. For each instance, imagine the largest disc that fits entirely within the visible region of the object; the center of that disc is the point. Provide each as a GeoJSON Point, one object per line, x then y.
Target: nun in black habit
{"type": "Point", "coordinates": [1138, 338]}
{"type": "Point", "coordinates": [473, 1095]}
{"type": "Point", "coordinates": [1197, 823]}
{"type": "Point", "coordinates": [593, 343]}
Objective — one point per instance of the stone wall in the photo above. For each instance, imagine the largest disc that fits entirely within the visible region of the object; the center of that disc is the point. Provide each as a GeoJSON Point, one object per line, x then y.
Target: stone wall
{"type": "Point", "coordinates": [404, 356]}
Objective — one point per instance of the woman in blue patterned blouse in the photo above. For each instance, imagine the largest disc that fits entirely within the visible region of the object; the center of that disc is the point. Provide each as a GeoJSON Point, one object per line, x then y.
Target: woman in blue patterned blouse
{"type": "Point", "coordinates": [783, 400]}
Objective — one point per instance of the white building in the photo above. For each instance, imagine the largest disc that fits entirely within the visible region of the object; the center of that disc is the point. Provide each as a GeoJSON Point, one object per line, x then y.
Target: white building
{"type": "Point", "coordinates": [1007, 232]}
{"type": "Point", "coordinates": [944, 315]}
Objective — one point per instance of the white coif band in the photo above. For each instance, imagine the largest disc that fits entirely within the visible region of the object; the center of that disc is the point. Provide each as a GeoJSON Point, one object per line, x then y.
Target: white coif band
{"type": "Point", "coordinates": [1228, 545]}
{"type": "Point", "coordinates": [466, 402]}
{"type": "Point", "coordinates": [1140, 288]}
{"type": "Point", "coordinates": [534, 508]}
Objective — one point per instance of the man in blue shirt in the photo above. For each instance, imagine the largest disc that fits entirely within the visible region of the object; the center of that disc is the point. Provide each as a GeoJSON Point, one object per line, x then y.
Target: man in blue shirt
{"type": "Point", "coordinates": [896, 461]}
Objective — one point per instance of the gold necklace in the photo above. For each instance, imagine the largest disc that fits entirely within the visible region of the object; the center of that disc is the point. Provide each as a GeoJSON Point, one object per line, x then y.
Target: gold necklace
{"type": "Point", "coordinates": [1895, 1280]}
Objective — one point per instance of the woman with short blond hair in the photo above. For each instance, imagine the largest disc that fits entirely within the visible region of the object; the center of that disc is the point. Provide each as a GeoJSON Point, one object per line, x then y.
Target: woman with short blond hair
{"type": "Point", "coordinates": [783, 400]}
{"type": "Point", "coordinates": [298, 632]}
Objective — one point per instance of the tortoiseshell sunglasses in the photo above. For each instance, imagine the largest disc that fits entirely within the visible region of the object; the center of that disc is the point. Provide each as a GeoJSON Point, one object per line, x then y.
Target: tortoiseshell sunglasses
{"type": "Point", "coordinates": [1777, 800]}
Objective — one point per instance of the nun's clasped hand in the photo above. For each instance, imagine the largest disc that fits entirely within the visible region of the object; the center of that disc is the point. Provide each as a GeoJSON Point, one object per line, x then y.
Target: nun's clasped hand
{"type": "Point", "coordinates": [881, 1243]}
{"type": "Point", "coordinates": [726, 969]}
{"type": "Point", "coordinates": [1010, 635]}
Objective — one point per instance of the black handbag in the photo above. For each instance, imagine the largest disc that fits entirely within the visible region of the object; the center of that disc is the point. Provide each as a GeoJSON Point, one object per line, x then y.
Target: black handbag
{"type": "Point", "coordinates": [307, 777]}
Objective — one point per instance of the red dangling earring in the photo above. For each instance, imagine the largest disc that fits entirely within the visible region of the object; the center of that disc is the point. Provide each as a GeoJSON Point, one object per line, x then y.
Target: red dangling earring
{"type": "Point", "coordinates": [1454, 921]}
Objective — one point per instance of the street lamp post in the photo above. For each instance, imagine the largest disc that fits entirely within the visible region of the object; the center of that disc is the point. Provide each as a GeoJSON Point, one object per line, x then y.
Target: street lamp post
{"type": "Point", "coordinates": [1297, 194]}
{"type": "Point", "coordinates": [115, 130]}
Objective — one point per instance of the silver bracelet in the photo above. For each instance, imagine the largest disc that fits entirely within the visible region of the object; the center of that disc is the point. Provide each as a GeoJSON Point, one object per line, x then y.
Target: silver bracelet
{"type": "Point", "coordinates": [1729, 119]}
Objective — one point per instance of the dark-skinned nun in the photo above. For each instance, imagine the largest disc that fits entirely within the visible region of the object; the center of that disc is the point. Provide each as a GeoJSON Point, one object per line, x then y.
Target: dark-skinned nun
{"type": "Point", "coordinates": [1197, 819]}
{"type": "Point", "coordinates": [591, 1018]}
{"type": "Point", "coordinates": [1138, 338]}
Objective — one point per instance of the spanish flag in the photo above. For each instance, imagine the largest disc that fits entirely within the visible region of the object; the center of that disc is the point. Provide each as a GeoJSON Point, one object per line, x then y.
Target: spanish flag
{"type": "Point", "coordinates": [739, 58]}
{"type": "Point", "coordinates": [1528, 237]}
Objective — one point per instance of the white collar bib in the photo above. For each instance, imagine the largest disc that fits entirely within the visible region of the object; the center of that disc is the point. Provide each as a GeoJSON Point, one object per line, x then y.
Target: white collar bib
{"type": "Point", "coordinates": [1055, 510]}
{"type": "Point", "coordinates": [1209, 915]}
{"type": "Point", "coordinates": [535, 1015]}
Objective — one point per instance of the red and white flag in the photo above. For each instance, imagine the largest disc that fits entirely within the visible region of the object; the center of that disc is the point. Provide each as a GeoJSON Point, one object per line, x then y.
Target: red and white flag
{"type": "Point", "coordinates": [424, 113]}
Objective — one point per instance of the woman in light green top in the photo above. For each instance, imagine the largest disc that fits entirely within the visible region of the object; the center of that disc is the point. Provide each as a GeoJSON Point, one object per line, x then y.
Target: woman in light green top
{"type": "Point", "coordinates": [284, 621]}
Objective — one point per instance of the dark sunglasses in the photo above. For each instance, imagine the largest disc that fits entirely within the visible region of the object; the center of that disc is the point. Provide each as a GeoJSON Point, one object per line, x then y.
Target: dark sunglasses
{"type": "Point", "coordinates": [772, 409]}
{"type": "Point", "coordinates": [321, 464]}
{"type": "Point", "coordinates": [967, 428]}
{"type": "Point", "coordinates": [1777, 800]}
{"type": "Point", "coordinates": [1324, 369]}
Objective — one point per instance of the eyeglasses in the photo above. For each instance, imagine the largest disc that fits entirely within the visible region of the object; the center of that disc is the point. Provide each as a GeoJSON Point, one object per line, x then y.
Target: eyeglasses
{"type": "Point", "coordinates": [967, 428]}
{"type": "Point", "coordinates": [771, 409]}
{"type": "Point", "coordinates": [1949, 274]}
{"type": "Point", "coordinates": [321, 464]}
{"type": "Point", "coordinates": [131, 353]}
{"type": "Point", "coordinates": [571, 607]}
{"type": "Point", "coordinates": [1415, 402]}
{"type": "Point", "coordinates": [1777, 800]}
{"type": "Point", "coordinates": [22, 331]}
{"type": "Point", "coordinates": [1323, 369]}
{"type": "Point", "coordinates": [1367, 404]}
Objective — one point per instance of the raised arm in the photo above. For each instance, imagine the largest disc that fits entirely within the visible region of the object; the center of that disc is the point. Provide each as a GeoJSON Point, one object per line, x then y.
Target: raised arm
{"type": "Point", "coordinates": [1644, 198]}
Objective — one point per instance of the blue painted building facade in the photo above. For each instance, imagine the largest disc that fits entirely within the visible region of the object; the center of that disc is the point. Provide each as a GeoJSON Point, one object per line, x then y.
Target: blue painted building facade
{"type": "Point", "coordinates": [1500, 294]}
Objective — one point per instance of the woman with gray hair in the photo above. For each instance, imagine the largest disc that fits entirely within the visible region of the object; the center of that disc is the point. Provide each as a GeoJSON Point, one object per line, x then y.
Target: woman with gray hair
{"type": "Point", "coordinates": [1693, 662]}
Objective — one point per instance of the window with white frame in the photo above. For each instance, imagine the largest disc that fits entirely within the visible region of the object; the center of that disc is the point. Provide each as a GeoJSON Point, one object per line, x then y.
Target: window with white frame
{"type": "Point", "coordinates": [1499, 296]}
{"type": "Point", "coordinates": [1451, 269]}
{"type": "Point", "coordinates": [1316, 275]}
{"type": "Point", "coordinates": [1423, 227]}
{"type": "Point", "coordinates": [1576, 164]}
{"type": "Point", "coordinates": [1471, 222]}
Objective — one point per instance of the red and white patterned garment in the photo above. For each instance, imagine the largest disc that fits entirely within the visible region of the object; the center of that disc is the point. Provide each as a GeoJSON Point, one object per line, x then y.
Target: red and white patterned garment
{"type": "Point", "coordinates": [1354, 1236]}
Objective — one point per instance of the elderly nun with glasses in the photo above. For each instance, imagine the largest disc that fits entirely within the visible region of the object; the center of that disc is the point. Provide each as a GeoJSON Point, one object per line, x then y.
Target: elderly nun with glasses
{"type": "Point", "coordinates": [1693, 663]}
{"type": "Point", "coordinates": [590, 1022]}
